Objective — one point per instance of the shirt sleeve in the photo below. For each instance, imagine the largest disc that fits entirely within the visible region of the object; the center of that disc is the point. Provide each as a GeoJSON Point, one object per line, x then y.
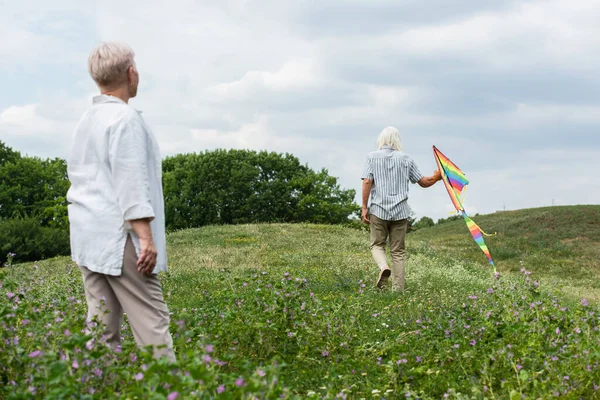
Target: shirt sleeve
{"type": "Point", "coordinates": [128, 158]}
{"type": "Point", "coordinates": [414, 172]}
{"type": "Point", "coordinates": [368, 170]}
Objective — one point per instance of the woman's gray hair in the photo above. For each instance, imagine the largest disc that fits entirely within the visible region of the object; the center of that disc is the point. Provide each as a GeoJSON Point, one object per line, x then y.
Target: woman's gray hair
{"type": "Point", "coordinates": [108, 63]}
{"type": "Point", "coordinates": [390, 137]}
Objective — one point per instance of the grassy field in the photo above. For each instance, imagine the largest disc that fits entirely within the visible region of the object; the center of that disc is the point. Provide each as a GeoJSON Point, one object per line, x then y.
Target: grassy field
{"type": "Point", "coordinates": [560, 245]}
{"type": "Point", "coordinates": [289, 311]}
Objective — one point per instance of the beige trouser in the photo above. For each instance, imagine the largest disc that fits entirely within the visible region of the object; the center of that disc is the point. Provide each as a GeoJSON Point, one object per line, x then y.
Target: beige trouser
{"type": "Point", "coordinates": [137, 294]}
{"type": "Point", "coordinates": [396, 231]}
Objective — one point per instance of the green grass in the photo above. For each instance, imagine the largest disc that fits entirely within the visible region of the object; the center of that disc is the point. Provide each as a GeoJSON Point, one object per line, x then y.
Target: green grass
{"type": "Point", "coordinates": [559, 244]}
{"type": "Point", "coordinates": [292, 310]}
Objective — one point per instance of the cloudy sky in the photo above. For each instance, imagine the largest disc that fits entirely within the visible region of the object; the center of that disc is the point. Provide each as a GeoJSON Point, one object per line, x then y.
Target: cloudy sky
{"type": "Point", "coordinates": [509, 90]}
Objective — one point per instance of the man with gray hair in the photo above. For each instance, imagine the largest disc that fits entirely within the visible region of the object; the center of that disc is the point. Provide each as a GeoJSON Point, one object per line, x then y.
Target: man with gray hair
{"type": "Point", "coordinates": [386, 177]}
{"type": "Point", "coordinates": [116, 209]}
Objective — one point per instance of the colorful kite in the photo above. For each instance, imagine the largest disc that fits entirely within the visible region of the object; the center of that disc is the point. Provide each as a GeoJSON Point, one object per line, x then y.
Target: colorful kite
{"type": "Point", "coordinates": [455, 181]}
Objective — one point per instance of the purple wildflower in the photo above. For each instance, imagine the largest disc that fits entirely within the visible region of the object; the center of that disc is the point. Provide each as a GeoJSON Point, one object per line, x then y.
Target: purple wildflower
{"type": "Point", "coordinates": [138, 377]}
{"type": "Point", "coordinates": [239, 382]}
{"type": "Point", "coordinates": [10, 295]}
{"type": "Point", "coordinates": [173, 396]}
{"type": "Point", "coordinates": [325, 353]}
{"type": "Point", "coordinates": [220, 389]}
{"type": "Point", "coordinates": [584, 302]}
{"type": "Point", "coordinates": [75, 364]}
{"type": "Point", "coordinates": [35, 354]}
{"type": "Point", "coordinates": [519, 367]}
{"type": "Point", "coordinates": [261, 373]}
{"type": "Point", "coordinates": [473, 342]}
{"type": "Point", "coordinates": [207, 358]}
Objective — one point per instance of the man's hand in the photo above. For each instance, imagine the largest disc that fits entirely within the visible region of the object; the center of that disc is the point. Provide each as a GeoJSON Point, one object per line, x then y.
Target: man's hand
{"type": "Point", "coordinates": [365, 216]}
{"type": "Point", "coordinates": [148, 254]}
{"type": "Point", "coordinates": [437, 175]}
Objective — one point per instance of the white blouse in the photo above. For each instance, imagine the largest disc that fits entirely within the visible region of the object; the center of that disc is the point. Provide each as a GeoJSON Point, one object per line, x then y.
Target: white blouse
{"type": "Point", "coordinates": [115, 170]}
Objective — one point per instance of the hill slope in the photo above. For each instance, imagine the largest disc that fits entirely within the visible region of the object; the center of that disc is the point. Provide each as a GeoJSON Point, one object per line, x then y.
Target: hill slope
{"type": "Point", "coordinates": [290, 310]}
{"type": "Point", "coordinates": [560, 244]}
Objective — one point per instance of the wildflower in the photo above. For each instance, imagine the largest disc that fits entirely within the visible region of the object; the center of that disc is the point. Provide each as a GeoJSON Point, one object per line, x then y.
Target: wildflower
{"type": "Point", "coordinates": [10, 295]}
{"type": "Point", "coordinates": [261, 373]}
{"type": "Point", "coordinates": [220, 363]}
{"type": "Point", "coordinates": [35, 354]}
{"type": "Point", "coordinates": [207, 359]}
{"type": "Point", "coordinates": [173, 395]}
{"type": "Point", "coordinates": [133, 357]}
{"type": "Point", "coordinates": [75, 364]}
{"type": "Point", "coordinates": [67, 332]}
{"type": "Point", "coordinates": [456, 346]}
{"type": "Point", "coordinates": [473, 342]}
{"type": "Point", "coordinates": [98, 372]}
{"type": "Point", "coordinates": [554, 358]}
{"type": "Point", "coordinates": [558, 331]}
{"type": "Point", "coordinates": [290, 334]}
{"type": "Point", "coordinates": [325, 353]}
{"type": "Point", "coordinates": [472, 297]}
{"type": "Point", "coordinates": [138, 377]}
{"type": "Point", "coordinates": [496, 276]}
{"type": "Point", "coordinates": [402, 361]}
{"type": "Point", "coordinates": [584, 302]}
{"type": "Point", "coordinates": [209, 348]}
{"type": "Point", "coordinates": [239, 382]}
{"type": "Point", "coordinates": [418, 359]}
{"type": "Point", "coordinates": [577, 330]}
{"type": "Point", "coordinates": [519, 367]}
{"type": "Point", "coordinates": [220, 389]}
{"type": "Point", "coordinates": [490, 291]}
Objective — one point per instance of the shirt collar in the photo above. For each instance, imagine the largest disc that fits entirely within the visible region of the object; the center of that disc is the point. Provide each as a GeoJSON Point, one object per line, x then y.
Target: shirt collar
{"type": "Point", "coordinates": [388, 148]}
{"type": "Point", "coordinates": [106, 98]}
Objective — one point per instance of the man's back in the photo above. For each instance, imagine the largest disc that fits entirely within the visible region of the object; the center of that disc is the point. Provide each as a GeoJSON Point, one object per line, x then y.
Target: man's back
{"type": "Point", "coordinates": [391, 172]}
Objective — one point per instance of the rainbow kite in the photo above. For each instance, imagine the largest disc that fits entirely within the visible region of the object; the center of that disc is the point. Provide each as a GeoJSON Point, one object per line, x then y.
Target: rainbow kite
{"type": "Point", "coordinates": [455, 181]}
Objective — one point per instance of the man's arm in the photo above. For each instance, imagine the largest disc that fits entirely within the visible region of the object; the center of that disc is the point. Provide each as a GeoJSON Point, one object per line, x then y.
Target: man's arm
{"type": "Point", "coordinates": [428, 181]}
{"type": "Point", "coordinates": [366, 193]}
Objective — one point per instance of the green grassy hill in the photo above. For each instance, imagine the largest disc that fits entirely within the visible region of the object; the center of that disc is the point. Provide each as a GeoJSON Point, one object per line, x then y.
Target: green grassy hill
{"type": "Point", "coordinates": [290, 311]}
{"type": "Point", "coordinates": [559, 244]}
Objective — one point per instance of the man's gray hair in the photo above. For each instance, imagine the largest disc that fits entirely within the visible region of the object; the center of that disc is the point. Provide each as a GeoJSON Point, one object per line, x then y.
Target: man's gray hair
{"type": "Point", "coordinates": [108, 63]}
{"type": "Point", "coordinates": [389, 137]}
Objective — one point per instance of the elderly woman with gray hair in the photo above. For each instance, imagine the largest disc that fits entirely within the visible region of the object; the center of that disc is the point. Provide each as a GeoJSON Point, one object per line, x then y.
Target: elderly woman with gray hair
{"type": "Point", "coordinates": [386, 178]}
{"type": "Point", "coordinates": [116, 209]}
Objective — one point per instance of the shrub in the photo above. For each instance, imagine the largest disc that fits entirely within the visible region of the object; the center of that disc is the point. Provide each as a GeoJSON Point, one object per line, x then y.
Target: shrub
{"type": "Point", "coordinates": [30, 241]}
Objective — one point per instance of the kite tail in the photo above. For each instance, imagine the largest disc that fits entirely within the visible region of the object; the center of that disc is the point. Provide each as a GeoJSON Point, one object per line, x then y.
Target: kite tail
{"type": "Point", "coordinates": [477, 234]}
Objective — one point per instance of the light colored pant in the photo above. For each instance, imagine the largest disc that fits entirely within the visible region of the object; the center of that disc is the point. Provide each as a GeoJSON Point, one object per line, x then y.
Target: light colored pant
{"type": "Point", "coordinates": [396, 231]}
{"type": "Point", "coordinates": [138, 295]}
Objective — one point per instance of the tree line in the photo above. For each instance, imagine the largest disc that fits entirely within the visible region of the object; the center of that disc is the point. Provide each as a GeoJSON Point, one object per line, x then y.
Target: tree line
{"type": "Point", "coordinates": [208, 188]}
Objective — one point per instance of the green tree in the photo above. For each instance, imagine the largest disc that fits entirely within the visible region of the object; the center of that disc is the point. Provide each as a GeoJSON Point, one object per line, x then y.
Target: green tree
{"type": "Point", "coordinates": [7, 154]}
{"type": "Point", "coordinates": [30, 186]}
{"type": "Point", "coordinates": [242, 186]}
{"type": "Point", "coordinates": [424, 222]}
{"type": "Point", "coordinates": [33, 207]}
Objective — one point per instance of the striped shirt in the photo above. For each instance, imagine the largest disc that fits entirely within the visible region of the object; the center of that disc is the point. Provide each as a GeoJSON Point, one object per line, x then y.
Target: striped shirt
{"type": "Point", "coordinates": [391, 171]}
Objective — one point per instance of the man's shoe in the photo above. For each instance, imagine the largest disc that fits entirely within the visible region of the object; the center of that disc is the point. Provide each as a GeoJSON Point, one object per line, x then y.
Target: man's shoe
{"type": "Point", "coordinates": [384, 274]}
